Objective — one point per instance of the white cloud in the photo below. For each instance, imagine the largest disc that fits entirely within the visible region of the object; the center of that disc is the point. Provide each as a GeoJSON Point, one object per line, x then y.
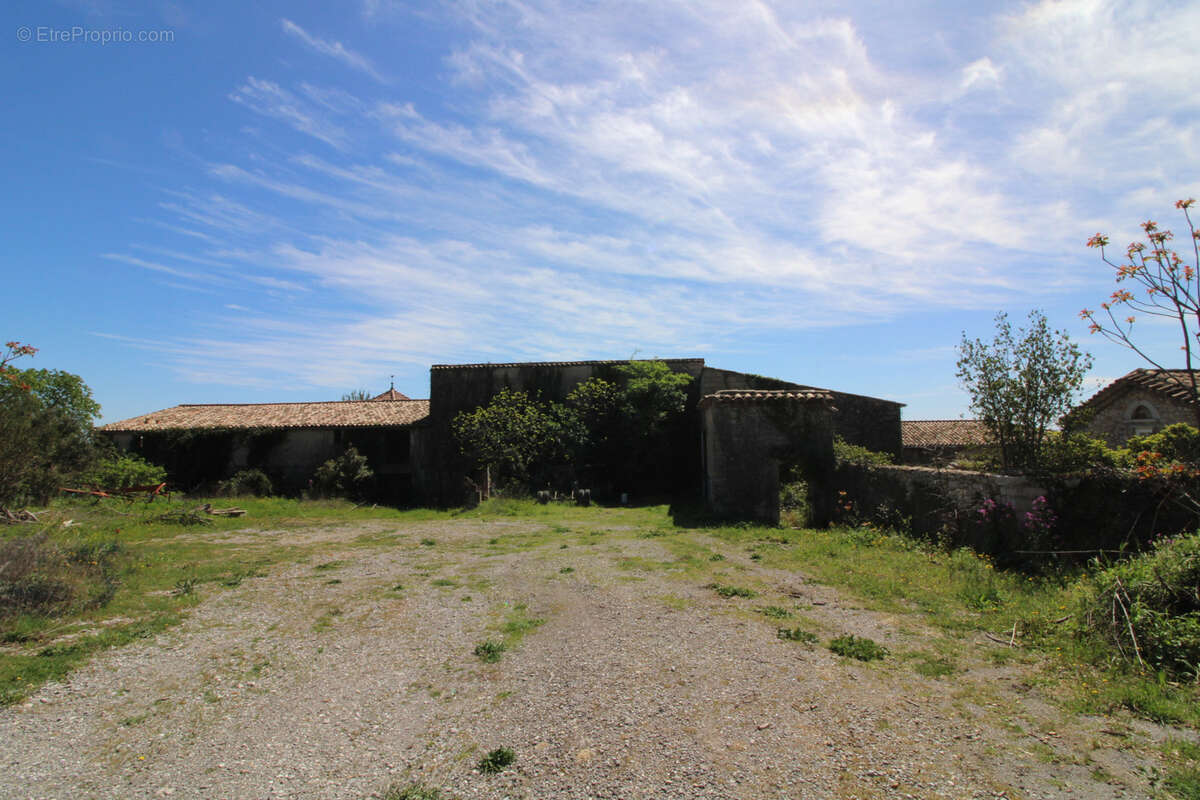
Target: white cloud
{"type": "Point", "coordinates": [271, 100]}
{"type": "Point", "coordinates": [332, 49]}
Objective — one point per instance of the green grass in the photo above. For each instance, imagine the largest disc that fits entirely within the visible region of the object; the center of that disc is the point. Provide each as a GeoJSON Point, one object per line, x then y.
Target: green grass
{"type": "Point", "coordinates": [796, 635]}
{"type": "Point", "coordinates": [859, 648]}
{"type": "Point", "coordinates": [725, 590]}
{"type": "Point", "coordinates": [490, 651]}
{"type": "Point", "coordinates": [412, 791]}
{"type": "Point", "coordinates": [497, 760]}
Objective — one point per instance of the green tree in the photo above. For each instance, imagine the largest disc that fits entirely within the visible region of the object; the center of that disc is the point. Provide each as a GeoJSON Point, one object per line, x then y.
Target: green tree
{"type": "Point", "coordinates": [518, 438]}
{"type": "Point", "coordinates": [348, 475]}
{"type": "Point", "coordinates": [1165, 286]}
{"type": "Point", "coordinates": [1020, 384]}
{"type": "Point", "coordinates": [356, 394]}
{"type": "Point", "coordinates": [45, 431]}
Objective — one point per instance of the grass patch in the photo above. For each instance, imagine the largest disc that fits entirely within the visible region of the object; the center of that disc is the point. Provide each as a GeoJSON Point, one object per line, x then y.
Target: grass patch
{"type": "Point", "coordinates": [566, 570]}
{"type": "Point", "coordinates": [443, 582]}
{"type": "Point", "coordinates": [932, 666]}
{"type": "Point", "coordinates": [497, 760]}
{"type": "Point", "coordinates": [725, 590]}
{"type": "Point", "coordinates": [490, 651]}
{"type": "Point", "coordinates": [775, 612]}
{"type": "Point", "coordinates": [860, 648]}
{"type": "Point", "coordinates": [411, 791]}
{"type": "Point", "coordinates": [796, 635]}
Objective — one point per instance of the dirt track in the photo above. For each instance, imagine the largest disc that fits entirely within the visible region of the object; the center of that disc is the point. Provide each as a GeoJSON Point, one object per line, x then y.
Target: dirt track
{"type": "Point", "coordinates": [330, 683]}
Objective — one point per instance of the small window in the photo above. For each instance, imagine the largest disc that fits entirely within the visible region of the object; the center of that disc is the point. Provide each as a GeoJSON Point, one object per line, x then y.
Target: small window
{"type": "Point", "coordinates": [1142, 421]}
{"type": "Point", "coordinates": [1141, 412]}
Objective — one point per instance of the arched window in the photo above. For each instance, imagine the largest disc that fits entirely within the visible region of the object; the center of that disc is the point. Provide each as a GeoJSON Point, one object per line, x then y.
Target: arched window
{"type": "Point", "coordinates": [1142, 421]}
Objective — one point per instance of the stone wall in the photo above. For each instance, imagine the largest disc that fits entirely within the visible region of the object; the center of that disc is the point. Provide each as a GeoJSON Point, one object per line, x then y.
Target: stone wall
{"type": "Point", "coordinates": [746, 442]}
{"type": "Point", "coordinates": [1114, 421]}
{"type": "Point", "coordinates": [869, 422]}
{"type": "Point", "coordinates": [934, 503]}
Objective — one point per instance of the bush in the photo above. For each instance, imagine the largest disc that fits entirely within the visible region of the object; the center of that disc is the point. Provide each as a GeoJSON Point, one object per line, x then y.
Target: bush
{"type": "Point", "coordinates": [1179, 442]}
{"type": "Point", "coordinates": [794, 508]}
{"type": "Point", "coordinates": [497, 760]}
{"type": "Point", "coordinates": [860, 648]}
{"type": "Point", "coordinates": [122, 470]}
{"type": "Point", "coordinates": [252, 482]}
{"type": "Point", "coordinates": [1146, 610]}
{"type": "Point", "coordinates": [345, 476]}
{"type": "Point", "coordinates": [1077, 451]}
{"type": "Point", "coordinates": [846, 453]}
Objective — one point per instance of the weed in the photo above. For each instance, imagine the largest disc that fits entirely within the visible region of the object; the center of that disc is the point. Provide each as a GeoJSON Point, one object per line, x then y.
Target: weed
{"type": "Point", "coordinates": [413, 791]}
{"type": "Point", "coordinates": [775, 612]}
{"type": "Point", "coordinates": [399, 587]}
{"type": "Point", "coordinates": [566, 570]}
{"type": "Point", "coordinates": [731, 591]}
{"type": "Point", "coordinates": [716, 557]}
{"type": "Point", "coordinates": [333, 582]}
{"type": "Point", "coordinates": [466, 598]}
{"type": "Point", "coordinates": [184, 587]}
{"type": "Point", "coordinates": [796, 635]}
{"type": "Point", "coordinates": [861, 648]}
{"type": "Point", "coordinates": [497, 760]}
{"type": "Point", "coordinates": [444, 582]}
{"type": "Point", "coordinates": [328, 565]}
{"type": "Point", "coordinates": [428, 542]}
{"type": "Point", "coordinates": [489, 651]}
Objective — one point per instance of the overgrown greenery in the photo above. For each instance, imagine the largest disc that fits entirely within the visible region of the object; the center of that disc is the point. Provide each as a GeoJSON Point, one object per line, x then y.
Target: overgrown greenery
{"type": "Point", "coordinates": [601, 432]}
{"type": "Point", "coordinates": [45, 429]}
{"type": "Point", "coordinates": [1020, 384]}
{"type": "Point", "coordinates": [345, 476]}
{"type": "Point", "coordinates": [252, 482]}
{"type": "Point", "coordinates": [118, 470]}
{"type": "Point", "coordinates": [497, 760]}
{"type": "Point", "coordinates": [1147, 609]}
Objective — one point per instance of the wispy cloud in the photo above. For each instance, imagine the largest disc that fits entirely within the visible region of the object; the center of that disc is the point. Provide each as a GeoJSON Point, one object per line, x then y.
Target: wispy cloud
{"type": "Point", "coordinates": [332, 49]}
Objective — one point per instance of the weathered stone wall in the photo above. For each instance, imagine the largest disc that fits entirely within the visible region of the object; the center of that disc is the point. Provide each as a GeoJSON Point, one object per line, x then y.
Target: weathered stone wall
{"type": "Point", "coordinates": [745, 445]}
{"type": "Point", "coordinates": [868, 422]}
{"type": "Point", "coordinates": [936, 502]}
{"type": "Point", "coordinates": [865, 421]}
{"type": "Point", "coordinates": [1113, 422]}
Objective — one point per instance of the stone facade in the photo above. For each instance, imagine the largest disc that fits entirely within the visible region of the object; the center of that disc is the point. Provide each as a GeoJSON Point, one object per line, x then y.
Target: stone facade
{"type": "Point", "coordinates": [750, 436]}
{"type": "Point", "coordinates": [1133, 410]}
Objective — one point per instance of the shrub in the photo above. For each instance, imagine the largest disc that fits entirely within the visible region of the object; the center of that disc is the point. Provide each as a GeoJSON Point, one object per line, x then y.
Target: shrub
{"type": "Point", "coordinates": [122, 470]}
{"type": "Point", "coordinates": [796, 635]}
{"type": "Point", "coordinates": [253, 482]}
{"type": "Point", "coordinates": [1077, 451]}
{"type": "Point", "coordinates": [345, 476]}
{"type": "Point", "coordinates": [794, 508]}
{"type": "Point", "coordinates": [846, 453]}
{"type": "Point", "coordinates": [1147, 610]}
{"type": "Point", "coordinates": [861, 648]}
{"type": "Point", "coordinates": [1178, 442]}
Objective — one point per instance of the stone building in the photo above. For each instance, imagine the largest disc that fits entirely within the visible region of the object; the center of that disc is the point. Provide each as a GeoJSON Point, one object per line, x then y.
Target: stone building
{"type": "Point", "coordinates": [736, 425]}
{"type": "Point", "coordinates": [200, 444]}
{"type": "Point", "coordinates": [940, 442]}
{"type": "Point", "coordinates": [1143, 402]}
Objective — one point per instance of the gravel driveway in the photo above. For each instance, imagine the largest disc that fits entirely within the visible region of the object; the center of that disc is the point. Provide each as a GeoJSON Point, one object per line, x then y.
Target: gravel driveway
{"type": "Point", "coordinates": [325, 680]}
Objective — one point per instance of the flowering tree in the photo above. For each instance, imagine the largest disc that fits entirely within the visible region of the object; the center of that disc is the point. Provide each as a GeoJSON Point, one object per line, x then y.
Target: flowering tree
{"type": "Point", "coordinates": [1163, 285]}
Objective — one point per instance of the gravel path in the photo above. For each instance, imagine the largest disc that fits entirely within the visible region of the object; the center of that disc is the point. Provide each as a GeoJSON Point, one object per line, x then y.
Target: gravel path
{"type": "Point", "coordinates": [640, 683]}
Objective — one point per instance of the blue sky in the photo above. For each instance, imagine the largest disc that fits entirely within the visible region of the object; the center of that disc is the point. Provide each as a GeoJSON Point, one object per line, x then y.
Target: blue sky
{"type": "Point", "coordinates": [286, 201]}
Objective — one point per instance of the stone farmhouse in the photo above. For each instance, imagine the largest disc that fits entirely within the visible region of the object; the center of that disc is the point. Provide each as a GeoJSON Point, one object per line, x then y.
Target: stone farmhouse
{"type": "Point", "coordinates": [739, 431]}
{"type": "Point", "coordinates": [938, 442]}
{"type": "Point", "coordinates": [1142, 402]}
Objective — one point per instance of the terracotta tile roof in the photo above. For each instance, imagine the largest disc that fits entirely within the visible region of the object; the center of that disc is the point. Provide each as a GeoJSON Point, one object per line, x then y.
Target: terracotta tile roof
{"type": "Point", "coordinates": [766, 396]}
{"type": "Point", "coordinates": [391, 394]}
{"type": "Point", "coordinates": [943, 432]}
{"type": "Point", "coordinates": [1167, 382]}
{"type": "Point", "coordinates": [337, 414]}
{"type": "Point", "coordinates": [696, 361]}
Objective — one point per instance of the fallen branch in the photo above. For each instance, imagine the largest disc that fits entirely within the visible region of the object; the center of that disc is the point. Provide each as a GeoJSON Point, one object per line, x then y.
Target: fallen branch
{"type": "Point", "coordinates": [221, 512]}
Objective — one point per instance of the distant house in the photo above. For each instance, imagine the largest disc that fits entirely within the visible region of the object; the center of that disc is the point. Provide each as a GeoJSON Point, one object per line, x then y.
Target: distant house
{"type": "Point", "coordinates": [288, 441]}
{"type": "Point", "coordinates": [1143, 402]}
{"type": "Point", "coordinates": [940, 441]}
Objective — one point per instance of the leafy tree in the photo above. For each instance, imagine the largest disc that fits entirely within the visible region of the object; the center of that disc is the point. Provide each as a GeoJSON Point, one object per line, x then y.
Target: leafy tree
{"type": "Point", "coordinates": [356, 394]}
{"type": "Point", "coordinates": [1019, 384]}
{"type": "Point", "coordinates": [517, 437]}
{"type": "Point", "coordinates": [45, 431]}
{"type": "Point", "coordinates": [1164, 285]}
